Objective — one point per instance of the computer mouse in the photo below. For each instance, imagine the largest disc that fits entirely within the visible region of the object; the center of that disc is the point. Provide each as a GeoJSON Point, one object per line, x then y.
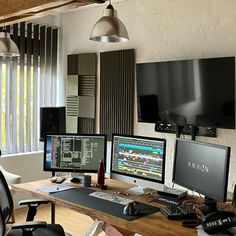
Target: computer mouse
{"type": "Point", "coordinates": [130, 209]}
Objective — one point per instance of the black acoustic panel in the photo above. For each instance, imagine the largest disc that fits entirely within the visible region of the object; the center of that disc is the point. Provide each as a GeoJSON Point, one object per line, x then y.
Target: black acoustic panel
{"type": "Point", "coordinates": [53, 120]}
{"type": "Point", "coordinates": [117, 92]}
{"type": "Point", "coordinates": [86, 126]}
{"type": "Point", "coordinates": [82, 64]}
{"type": "Point", "coordinates": [72, 64]}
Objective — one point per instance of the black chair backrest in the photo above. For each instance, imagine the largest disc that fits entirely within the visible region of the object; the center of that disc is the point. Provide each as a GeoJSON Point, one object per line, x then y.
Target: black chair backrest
{"type": "Point", "coordinates": [6, 201]}
{"type": "Point", "coordinates": [2, 224]}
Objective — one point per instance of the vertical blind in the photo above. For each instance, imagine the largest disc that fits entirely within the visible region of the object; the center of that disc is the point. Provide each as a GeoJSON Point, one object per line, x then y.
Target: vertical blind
{"type": "Point", "coordinates": [26, 84]}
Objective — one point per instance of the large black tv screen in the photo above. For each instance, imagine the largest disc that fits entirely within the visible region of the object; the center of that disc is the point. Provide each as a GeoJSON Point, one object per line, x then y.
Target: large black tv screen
{"type": "Point", "coordinates": [198, 92]}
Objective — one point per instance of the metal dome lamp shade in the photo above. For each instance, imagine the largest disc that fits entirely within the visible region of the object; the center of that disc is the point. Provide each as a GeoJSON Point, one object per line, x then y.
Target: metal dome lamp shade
{"type": "Point", "coordinates": [8, 47]}
{"type": "Point", "coordinates": [109, 28]}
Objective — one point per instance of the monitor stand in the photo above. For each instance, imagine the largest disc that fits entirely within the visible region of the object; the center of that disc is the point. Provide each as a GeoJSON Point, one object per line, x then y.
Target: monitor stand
{"type": "Point", "coordinates": [76, 177]}
{"type": "Point", "coordinates": [138, 190]}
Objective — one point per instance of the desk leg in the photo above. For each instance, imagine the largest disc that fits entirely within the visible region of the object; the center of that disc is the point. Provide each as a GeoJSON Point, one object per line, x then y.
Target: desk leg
{"type": "Point", "coordinates": [52, 213]}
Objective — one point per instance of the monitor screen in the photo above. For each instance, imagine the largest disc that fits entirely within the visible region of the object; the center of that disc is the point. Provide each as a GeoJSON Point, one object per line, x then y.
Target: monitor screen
{"type": "Point", "coordinates": [138, 160]}
{"type": "Point", "coordinates": [202, 167]}
{"type": "Point", "coordinates": [187, 92]}
{"type": "Point", "coordinates": [74, 152]}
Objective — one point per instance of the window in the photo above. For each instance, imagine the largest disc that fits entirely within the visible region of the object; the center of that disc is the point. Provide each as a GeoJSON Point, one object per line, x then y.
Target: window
{"type": "Point", "coordinates": [26, 84]}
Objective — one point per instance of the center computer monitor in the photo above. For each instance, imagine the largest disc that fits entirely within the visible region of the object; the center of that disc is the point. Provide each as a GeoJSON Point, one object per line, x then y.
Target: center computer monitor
{"type": "Point", "coordinates": [139, 160]}
{"type": "Point", "coordinates": [202, 167]}
{"type": "Point", "coordinates": [74, 152]}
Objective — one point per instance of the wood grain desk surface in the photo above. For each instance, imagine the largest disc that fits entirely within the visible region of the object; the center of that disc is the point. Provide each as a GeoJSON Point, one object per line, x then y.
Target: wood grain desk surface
{"type": "Point", "coordinates": [153, 225]}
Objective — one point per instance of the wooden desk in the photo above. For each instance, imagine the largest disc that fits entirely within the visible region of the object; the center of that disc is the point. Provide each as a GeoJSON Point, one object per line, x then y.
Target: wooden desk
{"type": "Point", "coordinates": [154, 225]}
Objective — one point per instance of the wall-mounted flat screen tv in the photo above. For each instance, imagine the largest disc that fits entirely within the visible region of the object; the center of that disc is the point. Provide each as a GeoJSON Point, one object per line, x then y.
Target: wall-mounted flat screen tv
{"type": "Point", "coordinates": [198, 92]}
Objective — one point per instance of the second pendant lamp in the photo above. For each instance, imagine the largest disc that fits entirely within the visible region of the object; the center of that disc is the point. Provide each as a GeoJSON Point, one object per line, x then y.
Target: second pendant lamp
{"type": "Point", "coordinates": [109, 28]}
{"type": "Point", "coordinates": [8, 47]}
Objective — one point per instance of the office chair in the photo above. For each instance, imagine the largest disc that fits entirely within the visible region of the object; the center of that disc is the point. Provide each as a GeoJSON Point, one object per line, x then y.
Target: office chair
{"type": "Point", "coordinates": [29, 228]}
{"type": "Point", "coordinates": [11, 179]}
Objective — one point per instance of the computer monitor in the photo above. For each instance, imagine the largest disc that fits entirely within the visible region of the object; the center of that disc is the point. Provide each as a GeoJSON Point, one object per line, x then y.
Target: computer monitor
{"type": "Point", "coordinates": [138, 160]}
{"type": "Point", "coordinates": [202, 167]}
{"type": "Point", "coordinates": [73, 152]}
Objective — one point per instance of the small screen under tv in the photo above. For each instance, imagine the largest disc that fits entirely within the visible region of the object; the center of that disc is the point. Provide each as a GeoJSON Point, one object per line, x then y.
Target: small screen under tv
{"type": "Point", "coordinates": [198, 92]}
{"type": "Point", "coordinates": [64, 152]}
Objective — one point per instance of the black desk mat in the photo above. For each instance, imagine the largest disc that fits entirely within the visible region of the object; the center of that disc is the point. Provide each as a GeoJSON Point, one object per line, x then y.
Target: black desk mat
{"type": "Point", "coordinates": [81, 196]}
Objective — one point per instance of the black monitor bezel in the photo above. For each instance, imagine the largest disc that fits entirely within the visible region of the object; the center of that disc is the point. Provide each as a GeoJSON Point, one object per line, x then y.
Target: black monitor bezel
{"type": "Point", "coordinates": [135, 176]}
{"type": "Point", "coordinates": [69, 169]}
{"type": "Point", "coordinates": [226, 148]}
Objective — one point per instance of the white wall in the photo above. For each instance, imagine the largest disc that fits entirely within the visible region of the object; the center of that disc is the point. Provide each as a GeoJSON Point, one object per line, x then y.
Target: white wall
{"type": "Point", "coordinates": [28, 165]}
{"type": "Point", "coordinates": [163, 30]}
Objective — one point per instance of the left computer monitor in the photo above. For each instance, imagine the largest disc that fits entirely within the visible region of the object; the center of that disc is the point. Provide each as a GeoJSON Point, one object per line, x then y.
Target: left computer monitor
{"type": "Point", "coordinates": [74, 152]}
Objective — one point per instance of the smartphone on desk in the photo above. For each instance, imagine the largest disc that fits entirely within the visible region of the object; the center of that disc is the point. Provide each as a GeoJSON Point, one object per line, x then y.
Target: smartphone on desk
{"type": "Point", "coordinates": [218, 221]}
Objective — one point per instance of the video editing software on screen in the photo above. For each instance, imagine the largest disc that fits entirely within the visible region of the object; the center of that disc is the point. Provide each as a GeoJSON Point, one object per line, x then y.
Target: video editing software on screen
{"type": "Point", "coordinates": [138, 157]}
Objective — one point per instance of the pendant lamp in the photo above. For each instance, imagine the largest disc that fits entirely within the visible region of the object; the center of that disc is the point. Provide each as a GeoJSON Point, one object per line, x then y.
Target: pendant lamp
{"type": "Point", "coordinates": [109, 28]}
{"type": "Point", "coordinates": [8, 47]}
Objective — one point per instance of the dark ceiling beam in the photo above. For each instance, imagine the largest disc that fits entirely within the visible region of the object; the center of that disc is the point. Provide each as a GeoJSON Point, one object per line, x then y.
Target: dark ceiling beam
{"type": "Point", "coordinates": [13, 11]}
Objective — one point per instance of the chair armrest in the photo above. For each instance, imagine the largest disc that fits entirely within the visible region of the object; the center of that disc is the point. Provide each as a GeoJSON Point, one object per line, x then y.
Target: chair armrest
{"type": "Point", "coordinates": [32, 207]}
{"type": "Point", "coordinates": [30, 224]}
{"type": "Point", "coordinates": [34, 201]}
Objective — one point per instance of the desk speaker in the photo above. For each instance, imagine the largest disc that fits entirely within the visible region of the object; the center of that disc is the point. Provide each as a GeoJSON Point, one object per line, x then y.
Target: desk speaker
{"type": "Point", "coordinates": [52, 120]}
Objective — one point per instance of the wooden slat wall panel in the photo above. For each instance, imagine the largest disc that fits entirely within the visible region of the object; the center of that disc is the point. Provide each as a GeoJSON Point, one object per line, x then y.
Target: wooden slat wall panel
{"type": "Point", "coordinates": [117, 92]}
{"type": "Point", "coordinates": [85, 126]}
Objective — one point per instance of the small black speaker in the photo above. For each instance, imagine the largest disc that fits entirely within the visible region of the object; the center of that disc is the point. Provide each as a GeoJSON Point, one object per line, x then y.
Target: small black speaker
{"type": "Point", "coordinates": [52, 120]}
{"type": "Point", "coordinates": [234, 197]}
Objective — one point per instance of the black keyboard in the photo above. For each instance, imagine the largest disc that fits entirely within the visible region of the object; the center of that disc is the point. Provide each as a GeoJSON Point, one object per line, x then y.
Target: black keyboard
{"type": "Point", "coordinates": [182, 211]}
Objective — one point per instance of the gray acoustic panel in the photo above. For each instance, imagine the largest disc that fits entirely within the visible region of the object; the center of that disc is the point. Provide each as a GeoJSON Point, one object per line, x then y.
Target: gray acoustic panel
{"type": "Point", "coordinates": [86, 107]}
{"type": "Point", "coordinates": [80, 106]}
{"type": "Point", "coordinates": [87, 64]}
{"type": "Point", "coordinates": [72, 105]}
{"type": "Point", "coordinates": [82, 70]}
{"type": "Point", "coordinates": [117, 92]}
{"type": "Point", "coordinates": [87, 85]}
